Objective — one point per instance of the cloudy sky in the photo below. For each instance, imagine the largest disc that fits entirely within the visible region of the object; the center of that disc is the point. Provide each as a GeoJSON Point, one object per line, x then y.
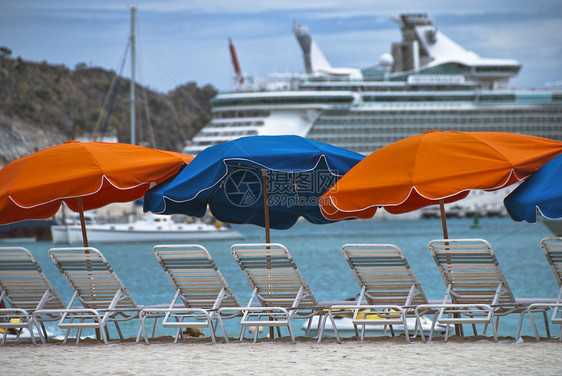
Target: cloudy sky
{"type": "Point", "coordinates": [182, 41]}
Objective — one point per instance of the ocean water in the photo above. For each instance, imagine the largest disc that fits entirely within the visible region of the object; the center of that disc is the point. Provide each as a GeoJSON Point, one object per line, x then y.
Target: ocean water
{"type": "Point", "coordinates": [316, 250]}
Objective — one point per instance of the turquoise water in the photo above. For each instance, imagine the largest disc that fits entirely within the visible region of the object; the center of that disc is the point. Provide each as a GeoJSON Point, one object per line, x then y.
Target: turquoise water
{"type": "Point", "coordinates": [317, 252]}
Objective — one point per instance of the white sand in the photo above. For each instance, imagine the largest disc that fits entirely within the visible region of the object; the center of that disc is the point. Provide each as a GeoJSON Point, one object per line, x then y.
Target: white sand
{"type": "Point", "coordinates": [470, 356]}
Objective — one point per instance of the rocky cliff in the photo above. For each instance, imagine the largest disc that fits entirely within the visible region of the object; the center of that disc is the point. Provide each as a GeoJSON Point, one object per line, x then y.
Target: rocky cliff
{"type": "Point", "coordinates": [42, 105]}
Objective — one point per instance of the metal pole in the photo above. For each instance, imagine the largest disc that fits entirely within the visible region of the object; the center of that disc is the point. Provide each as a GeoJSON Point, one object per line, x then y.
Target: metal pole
{"type": "Point", "coordinates": [133, 63]}
{"type": "Point", "coordinates": [265, 204]}
{"type": "Point", "coordinates": [82, 222]}
{"type": "Point", "coordinates": [443, 219]}
{"type": "Point", "coordinates": [87, 251]}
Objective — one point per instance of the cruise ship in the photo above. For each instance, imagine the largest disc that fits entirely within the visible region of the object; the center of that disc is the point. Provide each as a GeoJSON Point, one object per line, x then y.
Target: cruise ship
{"type": "Point", "coordinates": [427, 81]}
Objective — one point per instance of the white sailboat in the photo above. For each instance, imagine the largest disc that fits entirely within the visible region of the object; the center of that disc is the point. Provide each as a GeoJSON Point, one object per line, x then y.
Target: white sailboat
{"type": "Point", "coordinates": [146, 228]}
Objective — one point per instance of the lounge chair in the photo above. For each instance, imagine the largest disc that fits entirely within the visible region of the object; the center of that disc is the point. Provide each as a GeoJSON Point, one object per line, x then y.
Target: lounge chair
{"type": "Point", "coordinates": [25, 289]}
{"type": "Point", "coordinates": [199, 285]}
{"type": "Point", "coordinates": [102, 296]}
{"type": "Point", "coordinates": [477, 291]}
{"type": "Point", "coordinates": [552, 248]}
{"type": "Point", "coordinates": [389, 289]}
{"type": "Point", "coordinates": [280, 292]}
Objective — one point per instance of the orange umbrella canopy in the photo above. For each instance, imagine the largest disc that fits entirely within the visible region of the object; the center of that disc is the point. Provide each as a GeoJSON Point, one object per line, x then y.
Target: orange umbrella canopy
{"type": "Point", "coordinates": [423, 169]}
{"type": "Point", "coordinates": [33, 187]}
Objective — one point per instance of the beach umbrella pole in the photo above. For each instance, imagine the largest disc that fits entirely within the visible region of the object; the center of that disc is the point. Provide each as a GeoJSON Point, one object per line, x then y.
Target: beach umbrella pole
{"type": "Point", "coordinates": [443, 219]}
{"type": "Point", "coordinates": [267, 238]}
{"type": "Point", "coordinates": [265, 205]}
{"type": "Point", "coordinates": [85, 239]}
{"type": "Point", "coordinates": [82, 222]}
{"type": "Point", "coordinates": [458, 327]}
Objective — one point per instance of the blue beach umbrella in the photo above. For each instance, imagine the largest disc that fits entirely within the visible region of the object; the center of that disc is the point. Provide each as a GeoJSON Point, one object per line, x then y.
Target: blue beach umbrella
{"type": "Point", "coordinates": [229, 178]}
{"type": "Point", "coordinates": [542, 191]}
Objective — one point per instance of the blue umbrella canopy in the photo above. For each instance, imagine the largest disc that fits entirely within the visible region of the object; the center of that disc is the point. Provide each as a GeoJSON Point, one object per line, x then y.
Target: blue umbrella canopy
{"type": "Point", "coordinates": [229, 179]}
{"type": "Point", "coordinates": [543, 191]}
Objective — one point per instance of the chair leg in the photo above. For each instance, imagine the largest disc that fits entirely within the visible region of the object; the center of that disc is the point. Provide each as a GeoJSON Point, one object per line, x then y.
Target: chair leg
{"type": "Point", "coordinates": [214, 327]}
{"type": "Point", "coordinates": [66, 336]}
{"type": "Point", "coordinates": [118, 330]}
{"type": "Point", "coordinates": [356, 331]}
{"type": "Point", "coordinates": [30, 328]}
{"type": "Point", "coordinates": [495, 327]}
{"type": "Point", "coordinates": [104, 335]}
{"type": "Point", "coordinates": [519, 325]}
{"type": "Point", "coordinates": [256, 331]}
{"type": "Point", "coordinates": [211, 329]}
{"type": "Point", "coordinates": [419, 327]}
{"type": "Point", "coordinates": [219, 319]}
{"type": "Point", "coordinates": [177, 336]}
{"type": "Point", "coordinates": [533, 325]}
{"type": "Point", "coordinates": [290, 327]}
{"type": "Point", "coordinates": [78, 335]}
{"type": "Point", "coordinates": [106, 328]}
{"type": "Point", "coordinates": [391, 327]}
{"type": "Point", "coordinates": [106, 332]}
{"type": "Point", "coordinates": [545, 317]}
{"type": "Point", "coordinates": [434, 321]}
{"type": "Point", "coordinates": [310, 324]}
{"type": "Point", "coordinates": [448, 328]}
{"type": "Point", "coordinates": [406, 334]}
{"type": "Point", "coordinates": [362, 332]}
{"type": "Point", "coordinates": [143, 329]}
{"type": "Point", "coordinates": [321, 325]}
{"type": "Point", "coordinates": [330, 314]}
{"type": "Point", "coordinates": [42, 332]}
{"type": "Point", "coordinates": [242, 332]}
{"type": "Point", "coordinates": [139, 333]}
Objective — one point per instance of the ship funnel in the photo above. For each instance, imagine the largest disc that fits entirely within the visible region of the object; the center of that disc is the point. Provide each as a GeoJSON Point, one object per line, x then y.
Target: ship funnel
{"type": "Point", "coordinates": [235, 63]}
{"type": "Point", "coordinates": [314, 59]}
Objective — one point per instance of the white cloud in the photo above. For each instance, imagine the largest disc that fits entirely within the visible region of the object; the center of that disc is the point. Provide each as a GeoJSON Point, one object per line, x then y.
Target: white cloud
{"type": "Point", "coordinates": [189, 38]}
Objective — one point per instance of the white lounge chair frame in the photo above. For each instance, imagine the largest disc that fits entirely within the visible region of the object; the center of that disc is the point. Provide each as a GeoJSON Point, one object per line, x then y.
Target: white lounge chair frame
{"type": "Point", "coordinates": [552, 248]}
{"type": "Point", "coordinates": [280, 292]}
{"type": "Point", "coordinates": [389, 289]}
{"type": "Point", "coordinates": [26, 289]}
{"type": "Point", "coordinates": [477, 291]}
{"type": "Point", "coordinates": [101, 294]}
{"type": "Point", "coordinates": [199, 285]}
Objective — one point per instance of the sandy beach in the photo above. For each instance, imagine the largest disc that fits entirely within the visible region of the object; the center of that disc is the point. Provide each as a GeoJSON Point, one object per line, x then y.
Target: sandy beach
{"type": "Point", "coordinates": [468, 356]}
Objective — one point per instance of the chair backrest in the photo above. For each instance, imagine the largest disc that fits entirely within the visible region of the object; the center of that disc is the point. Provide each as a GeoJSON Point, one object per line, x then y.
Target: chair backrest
{"type": "Point", "coordinates": [92, 279]}
{"type": "Point", "coordinates": [195, 276]}
{"type": "Point", "coordinates": [470, 269]}
{"type": "Point", "coordinates": [384, 274]}
{"type": "Point", "coordinates": [23, 284]}
{"type": "Point", "coordinates": [273, 275]}
{"type": "Point", "coordinates": [552, 248]}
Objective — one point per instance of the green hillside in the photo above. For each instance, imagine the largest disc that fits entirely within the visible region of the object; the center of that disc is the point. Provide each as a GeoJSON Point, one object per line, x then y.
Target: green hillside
{"type": "Point", "coordinates": [42, 105]}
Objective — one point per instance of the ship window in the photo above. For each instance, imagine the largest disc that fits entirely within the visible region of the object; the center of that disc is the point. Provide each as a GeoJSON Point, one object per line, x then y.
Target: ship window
{"type": "Point", "coordinates": [497, 69]}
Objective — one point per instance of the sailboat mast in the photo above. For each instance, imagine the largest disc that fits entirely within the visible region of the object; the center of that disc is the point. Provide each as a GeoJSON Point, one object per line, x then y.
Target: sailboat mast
{"type": "Point", "coordinates": [132, 40]}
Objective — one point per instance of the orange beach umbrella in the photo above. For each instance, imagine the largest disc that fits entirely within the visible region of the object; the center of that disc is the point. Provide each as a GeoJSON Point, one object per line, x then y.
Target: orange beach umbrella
{"type": "Point", "coordinates": [435, 167]}
{"type": "Point", "coordinates": [85, 175]}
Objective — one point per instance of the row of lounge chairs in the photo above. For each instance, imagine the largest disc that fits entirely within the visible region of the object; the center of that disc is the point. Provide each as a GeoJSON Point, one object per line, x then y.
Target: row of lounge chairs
{"type": "Point", "coordinates": [476, 291]}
